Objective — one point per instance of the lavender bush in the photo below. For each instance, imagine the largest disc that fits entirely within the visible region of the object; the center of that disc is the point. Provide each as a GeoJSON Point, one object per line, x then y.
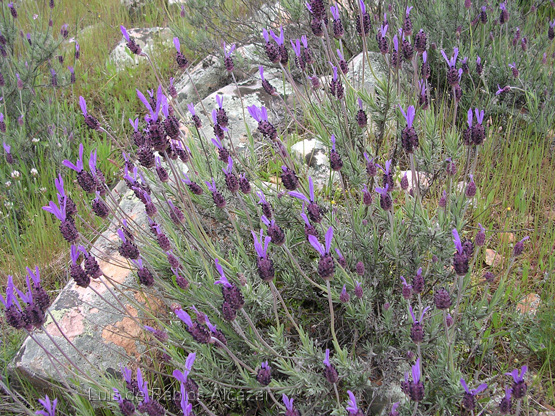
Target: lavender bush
{"type": "Point", "coordinates": [353, 295]}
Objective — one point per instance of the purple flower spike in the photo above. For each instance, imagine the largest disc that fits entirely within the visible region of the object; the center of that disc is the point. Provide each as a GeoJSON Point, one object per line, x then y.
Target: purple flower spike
{"type": "Point", "coordinates": [383, 30]}
{"type": "Point", "coordinates": [409, 115]}
{"type": "Point", "coordinates": [262, 251]}
{"type": "Point", "coordinates": [255, 113]}
{"type": "Point", "coordinates": [9, 301]}
{"type": "Point", "coordinates": [83, 105]}
{"type": "Point", "coordinates": [79, 166]}
{"type": "Point", "coordinates": [59, 213]}
{"type": "Point", "coordinates": [190, 361]}
{"type": "Point", "coordinates": [300, 196]}
{"type": "Point", "coordinates": [296, 45]}
{"type": "Point", "coordinates": [469, 118]}
{"type": "Point", "coordinates": [382, 191]}
{"type": "Point", "coordinates": [147, 105]}
{"type": "Point", "coordinates": [396, 43]}
{"type": "Point", "coordinates": [266, 35]}
{"type": "Point", "coordinates": [409, 8]}
{"type": "Point", "coordinates": [219, 100]}
{"type": "Point", "coordinates": [327, 359]}
{"type": "Point", "coordinates": [49, 406]}
{"type": "Point", "coordinates": [334, 12]}
{"type": "Point", "coordinates": [352, 407]}
{"type": "Point", "coordinates": [177, 44]}
{"type": "Point", "coordinates": [362, 6]}
{"type": "Point", "coordinates": [222, 280]}
{"type": "Point", "coordinates": [479, 115]}
{"type": "Point", "coordinates": [124, 33]}
{"type": "Point", "coordinates": [453, 60]}
{"type": "Point", "coordinates": [143, 386]}
{"type": "Point", "coordinates": [186, 407]}
{"type": "Point", "coordinates": [457, 241]}
{"type": "Point", "coordinates": [416, 371]}
{"type": "Point", "coordinates": [476, 391]}
{"type": "Point", "coordinates": [334, 73]}
{"type": "Point", "coordinates": [191, 108]}
{"type": "Point", "coordinates": [231, 49]}
{"type": "Point", "coordinates": [340, 55]}
{"type": "Point", "coordinates": [184, 316]}
{"type": "Point", "coordinates": [287, 402]}
{"type": "Point", "coordinates": [279, 39]}
{"type": "Point", "coordinates": [328, 238]}
{"type": "Point", "coordinates": [316, 244]}
{"type": "Point", "coordinates": [424, 56]}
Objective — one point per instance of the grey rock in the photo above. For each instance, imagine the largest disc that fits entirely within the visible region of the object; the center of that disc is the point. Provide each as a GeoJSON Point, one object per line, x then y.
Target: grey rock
{"type": "Point", "coordinates": [315, 155]}
{"type": "Point", "coordinates": [377, 71]}
{"type": "Point", "coordinates": [97, 334]}
{"type": "Point", "coordinates": [149, 39]}
{"type": "Point", "coordinates": [248, 93]}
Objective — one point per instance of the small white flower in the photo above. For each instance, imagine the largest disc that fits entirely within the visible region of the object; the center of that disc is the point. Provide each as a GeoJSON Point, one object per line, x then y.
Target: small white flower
{"type": "Point", "coordinates": [16, 174]}
{"type": "Point", "coordinates": [43, 189]}
{"type": "Point", "coordinates": [35, 140]}
{"type": "Point", "coordinates": [34, 172]}
{"type": "Point", "coordinates": [8, 184]}
{"type": "Point", "coordinates": [8, 204]}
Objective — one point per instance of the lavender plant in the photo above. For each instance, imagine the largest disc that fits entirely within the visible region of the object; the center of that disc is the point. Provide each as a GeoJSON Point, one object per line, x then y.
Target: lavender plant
{"type": "Point", "coordinates": [276, 318]}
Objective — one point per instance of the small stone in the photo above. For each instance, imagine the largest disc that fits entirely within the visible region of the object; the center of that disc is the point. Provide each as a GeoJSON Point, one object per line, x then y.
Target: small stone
{"type": "Point", "coordinates": [529, 304]}
{"type": "Point", "coordinates": [493, 259]}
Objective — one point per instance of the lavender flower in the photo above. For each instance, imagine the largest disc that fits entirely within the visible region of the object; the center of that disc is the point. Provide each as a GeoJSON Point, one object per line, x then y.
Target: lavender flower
{"type": "Point", "coordinates": [338, 30]}
{"type": "Point", "coordinates": [551, 30]}
{"type": "Point", "coordinates": [309, 229]}
{"type": "Point", "coordinates": [423, 97]}
{"type": "Point", "coordinates": [469, 398]}
{"type": "Point", "coordinates": [266, 84]}
{"type": "Point", "coordinates": [425, 70]}
{"type": "Point", "coordinates": [336, 87]}
{"type": "Point", "coordinates": [196, 119]}
{"type": "Point", "coordinates": [416, 387]}
{"type": "Point", "coordinates": [479, 66]}
{"type": "Point", "coordinates": [264, 375]}
{"type": "Point", "coordinates": [335, 158]}
{"type": "Point", "coordinates": [420, 41]}
{"type": "Point", "coordinates": [264, 126]}
{"type": "Point", "coordinates": [359, 293]}
{"type": "Point", "coordinates": [182, 61]}
{"type": "Point", "coordinates": [385, 199]}
{"type": "Point", "coordinates": [342, 63]}
{"type": "Point", "coordinates": [483, 15]}
{"type": "Point", "coordinates": [76, 271]}
{"type": "Point", "coordinates": [395, 56]}
{"type": "Point", "coordinates": [299, 60]}
{"type": "Point", "coordinates": [126, 406]}
{"type": "Point", "coordinates": [49, 406]}
{"type": "Point", "coordinates": [352, 407]}
{"type": "Point", "coordinates": [387, 178]}
{"type": "Point", "coordinates": [371, 169]}
{"type": "Point", "coordinates": [266, 207]}
{"type": "Point", "coordinates": [381, 37]}
{"type": "Point", "coordinates": [470, 191]}
{"type": "Point", "coordinates": [418, 282]}
{"type": "Point", "coordinates": [407, 289]}
{"type": "Point", "coordinates": [265, 265]}
{"type": "Point", "coordinates": [231, 294]}
{"type": "Point", "coordinates": [326, 266]}
{"type": "Point", "coordinates": [417, 330]}
{"type": "Point", "coordinates": [500, 90]}
{"type": "Point", "coordinates": [280, 40]}
{"type": "Point", "coordinates": [363, 21]}
{"type": "Point", "coordinates": [221, 115]}
{"type": "Point", "coordinates": [409, 138]}
{"type": "Point", "coordinates": [394, 411]}
{"type": "Point", "coordinates": [67, 226]}
{"type": "Point", "coordinates": [344, 297]}
{"type": "Point", "coordinates": [228, 60]}
{"type": "Point", "coordinates": [407, 23]}
{"type": "Point", "coordinates": [77, 53]}
{"type": "Point", "coordinates": [230, 179]}
{"type": "Point", "coordinates": [340, 259]}
{"type": "Point", "coordinates": [452, 74]}
{"type": "Point", "coordinates": [442, 299]}
{"type": "Point", "coordinates": [272, 50]}
{"type": "Point", "coordinates": [7, 150]}
{"type": "Point", "coordinates": [514, 69]}
{"type": "Point", "coordinates": [460, 259]}
{"type": "Point", "coordinates": [314, 211]}
{"type": "Point", "coordinates": [217, 197]}
{"type": "Point", "coordinates": [90, 121]}
{"type": "Point", "coordinates": [14, 315]}
{"type": "Point", "coordinates": [519, 248]}
{"type": "Point", "coordinates": [504, 15]}
{"type": "Point", "coordinates": [131, 44]}
{"type": "Point", "coordinates": [289, 407]}
{"type": "Point", "coordinates": [505, 405]}
{"type": "Point", "coordinates": [13, 10]}
{"type": "Point", "coordinates": [330, 373]}
{"type": "Point", "coordinates": [289, 178]}
{"type": "Point", "coordinates": [361, 118]}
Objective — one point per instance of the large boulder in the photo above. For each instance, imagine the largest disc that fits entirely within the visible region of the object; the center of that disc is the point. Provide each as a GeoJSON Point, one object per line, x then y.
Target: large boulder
{"type": "Point", "coordinates": [377, 69]}
{"type": "Point", "coordinates": [97, 335]}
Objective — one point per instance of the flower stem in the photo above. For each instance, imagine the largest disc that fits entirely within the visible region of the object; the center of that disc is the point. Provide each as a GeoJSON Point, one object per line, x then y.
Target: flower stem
{"type": "Point", "coordinates": [332, 318]}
